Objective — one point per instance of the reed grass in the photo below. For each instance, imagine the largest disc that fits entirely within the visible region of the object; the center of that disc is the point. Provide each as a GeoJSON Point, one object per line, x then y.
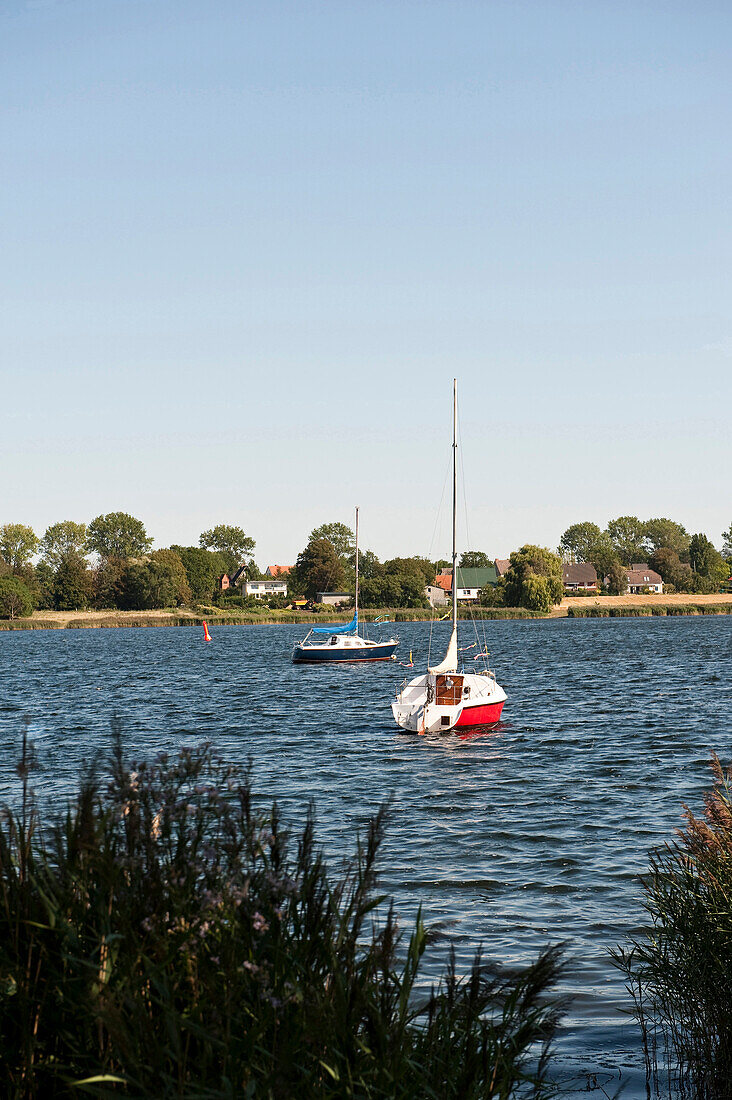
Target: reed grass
{"type": "Point", "coordinates": [646, 610]}
{"type": "Point", "coordinates": [164, 938]}
{"type": "Point", "coordinates": [679, 972]}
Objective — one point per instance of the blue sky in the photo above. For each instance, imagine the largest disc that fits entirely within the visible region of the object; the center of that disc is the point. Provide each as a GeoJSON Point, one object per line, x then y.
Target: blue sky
{"type": "Point", "coordinates": [246, 247]}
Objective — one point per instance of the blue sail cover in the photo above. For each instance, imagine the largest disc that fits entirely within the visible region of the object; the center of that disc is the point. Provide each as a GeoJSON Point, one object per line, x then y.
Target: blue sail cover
{"type": "Point", "coordinates": [348, 629]}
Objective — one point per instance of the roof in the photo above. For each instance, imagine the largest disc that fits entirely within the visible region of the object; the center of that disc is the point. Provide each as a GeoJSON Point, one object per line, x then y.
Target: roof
{"type": "Point", "coordinates": [502, 566]}
{"type": "Point", "coordinates": [468, 578]}
{"type": "Point", "coordinates": [579, 573]}
{"type": "Point", "coordinates": [477, 578]}
{"type": "Point", "coordinates": [644, 576]}
{"type": "Point", "coordinates": [278, 570]}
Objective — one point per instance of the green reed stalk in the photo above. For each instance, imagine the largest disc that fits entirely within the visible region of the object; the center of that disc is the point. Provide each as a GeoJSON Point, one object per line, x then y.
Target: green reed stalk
{"type": "Point", "coordinates": [679, 972]}
{"type": "Point", "coordinates": [165, 939]}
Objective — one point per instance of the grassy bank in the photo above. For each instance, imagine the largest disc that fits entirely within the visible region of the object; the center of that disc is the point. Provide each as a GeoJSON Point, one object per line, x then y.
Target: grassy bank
{"type": "Point", "coordinates": [215, 616]}
{"type": "Point", "coordinates": [646, 610]}
{"type": "Point", "coordinates": [600, 607]}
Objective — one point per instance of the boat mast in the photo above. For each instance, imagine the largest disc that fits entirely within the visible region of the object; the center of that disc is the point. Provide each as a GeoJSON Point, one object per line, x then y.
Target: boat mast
{"type": "Point", "coordinates": [357, 565]}
{"type": "Point", "coordinates": [454, 505]}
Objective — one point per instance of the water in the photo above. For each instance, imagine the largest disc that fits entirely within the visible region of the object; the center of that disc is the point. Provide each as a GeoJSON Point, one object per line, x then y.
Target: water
{"type": "Point", "coordinates": [533, 833]}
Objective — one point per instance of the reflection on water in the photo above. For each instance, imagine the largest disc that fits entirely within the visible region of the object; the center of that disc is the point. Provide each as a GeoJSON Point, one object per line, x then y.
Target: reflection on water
{"type": "Point", "coordinates": [525, 833]}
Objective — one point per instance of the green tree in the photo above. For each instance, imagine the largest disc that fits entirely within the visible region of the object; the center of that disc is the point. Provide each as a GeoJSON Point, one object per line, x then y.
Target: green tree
{"type": "Point", "coordinates": [371, 592]}
{"type": "Point", "coordinates": [727, 544]}
{"type": "Point", "coordinates": [629, 539]}
{"type": "Point", "coordinates": [61, 540]}
{"type": "Point", "coordinates": [369, 566]}
{"type": "Point", "coordinates": [107, 583]}
{"type": "Point", "coordinates": [118, 535]}
{"type": "Point", "coordinates": [173, 560]}
{"type": "Point", "coordinates": [148, 586]}
{"type": "Point", "coordinates": [617, 579]}
{"type": "Point", "coordinates": [666, 534]}
{"type": "Point", "coordinates": [203, 568]}
{"type": "Point", "coordinates": [671, 569]}
{"type": "Point", "coordinates": [585, 542]}
{"type": "Point", "coordinates": [16, 599]}
{"type": "Point", "coordinates": [318, 569]}
{"type": "Point", "coordinates": [235, 547]}
{"type": "Point", "coordinates": [578, 543]}
{"type": "Point", "coordinates": [417, 566]}
{"type": "Point", "coordinates": [341, 538]}
{"type": "Point", "coordinates": [18, 544]}
{"type": "Point", "coordinates": [529, 566]}
{"type": "Point", "coordinates": [605, 557]}
{"type": "Point", "coordinates": [474, 559]}
{"type": "Point", "coordinates": [493, 595]}
{"type": "Point", "coordinates": [73, 584]}
{"type": "Point", "coordinates": [45, 580]}
{"type": "Point", "coordinates": [710, 567]}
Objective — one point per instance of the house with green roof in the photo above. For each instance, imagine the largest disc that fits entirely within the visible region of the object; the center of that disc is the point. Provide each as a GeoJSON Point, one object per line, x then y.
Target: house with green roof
{"type": "Point", "coordinates": [469, 582]}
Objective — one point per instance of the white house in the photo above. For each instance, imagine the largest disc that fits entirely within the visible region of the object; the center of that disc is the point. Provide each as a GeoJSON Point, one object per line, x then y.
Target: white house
{"type": "Point", "coordinates": [265, 587]}
{"type": "Point", "coordinates": [640, 576]}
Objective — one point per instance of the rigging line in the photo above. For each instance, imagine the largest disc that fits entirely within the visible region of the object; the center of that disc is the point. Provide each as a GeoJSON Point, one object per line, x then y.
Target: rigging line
{"type": "Point", "coordinates": [465, 510]}
{"type": "Point", "coordinates": [430, 550]}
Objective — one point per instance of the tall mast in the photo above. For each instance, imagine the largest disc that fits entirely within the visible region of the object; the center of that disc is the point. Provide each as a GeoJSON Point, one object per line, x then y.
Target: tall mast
{"type": "Point", "coordinates": [357, 563]}
{"type": "Point", "coordinates": [454, 505]}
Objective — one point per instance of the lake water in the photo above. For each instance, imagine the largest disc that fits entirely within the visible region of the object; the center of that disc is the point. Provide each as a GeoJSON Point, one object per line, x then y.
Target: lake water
{"type": "Point", "coordinates": [532, 833]}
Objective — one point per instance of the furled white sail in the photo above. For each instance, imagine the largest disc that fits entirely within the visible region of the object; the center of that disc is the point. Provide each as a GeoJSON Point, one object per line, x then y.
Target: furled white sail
{"type": "Point", "coordinates": [450, 662]}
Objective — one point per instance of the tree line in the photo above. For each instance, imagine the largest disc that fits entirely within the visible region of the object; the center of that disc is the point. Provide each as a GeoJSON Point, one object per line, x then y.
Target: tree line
{"type": "Point", "coordinates": [686, 562]}
{"type": "Point", "coordinates": [126, 573]}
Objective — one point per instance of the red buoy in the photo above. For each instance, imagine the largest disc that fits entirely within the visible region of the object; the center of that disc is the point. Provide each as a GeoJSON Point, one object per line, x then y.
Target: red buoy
{"type": "Point", "coordinates": [206, 635]}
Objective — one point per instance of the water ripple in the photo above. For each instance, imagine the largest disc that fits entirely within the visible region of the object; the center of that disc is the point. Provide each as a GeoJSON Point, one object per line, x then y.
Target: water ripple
{"type": "Point", "coordinates": [530, 833]}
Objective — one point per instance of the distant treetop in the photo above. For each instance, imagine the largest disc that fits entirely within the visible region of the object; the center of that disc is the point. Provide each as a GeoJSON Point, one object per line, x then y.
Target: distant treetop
{"type": "Point", "coordinates": [118, 535]}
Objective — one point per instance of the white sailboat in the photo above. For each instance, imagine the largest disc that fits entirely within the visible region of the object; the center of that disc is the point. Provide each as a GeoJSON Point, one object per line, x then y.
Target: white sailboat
{"type": "Point", "coordinates": [344, 643]}
{"type": "Point", "coordinates": [447, 697]}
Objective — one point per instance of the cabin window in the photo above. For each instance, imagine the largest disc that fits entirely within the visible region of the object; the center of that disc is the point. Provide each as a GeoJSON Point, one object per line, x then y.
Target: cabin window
{"type": "Point", "coordinates": [445, 720]}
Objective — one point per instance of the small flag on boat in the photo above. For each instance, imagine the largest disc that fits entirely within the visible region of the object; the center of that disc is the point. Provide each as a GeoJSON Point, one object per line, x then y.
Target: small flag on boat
{"type": "Point", "coordinates": [206, 635]}
{"type": "Point", "coordinates": [464, 648]}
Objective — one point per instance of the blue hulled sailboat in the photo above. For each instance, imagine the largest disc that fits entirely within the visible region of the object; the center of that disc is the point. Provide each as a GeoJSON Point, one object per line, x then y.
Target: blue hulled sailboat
{"type": "Point", "coordinates": [342, 643]}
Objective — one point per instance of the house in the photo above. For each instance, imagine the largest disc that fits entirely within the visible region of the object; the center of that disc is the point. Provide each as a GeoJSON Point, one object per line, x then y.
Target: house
{"type": "Point", "coordinates": [224, 582]}
{"type": "Point", "coordinates": [502, 566]}
{"type": "Point", "coordinates": [277, 570]}
{"type": "Point", "coordinates": [579, 577]}
{"type": "Point", "coordinates": [264, 588]}
{"type": "Point", "coordinates": [469, 582]}
{"type": "Point", "coordinates": [640, 576]}
{"type": "Point", "coordinates": [334, 599]}
{"type": "Point", "coordinates": [436, 595]}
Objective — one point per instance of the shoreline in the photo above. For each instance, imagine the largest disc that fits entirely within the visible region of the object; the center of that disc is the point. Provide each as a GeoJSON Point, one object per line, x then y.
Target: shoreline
{"type": "Point", "coordinates": [677, 604]}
